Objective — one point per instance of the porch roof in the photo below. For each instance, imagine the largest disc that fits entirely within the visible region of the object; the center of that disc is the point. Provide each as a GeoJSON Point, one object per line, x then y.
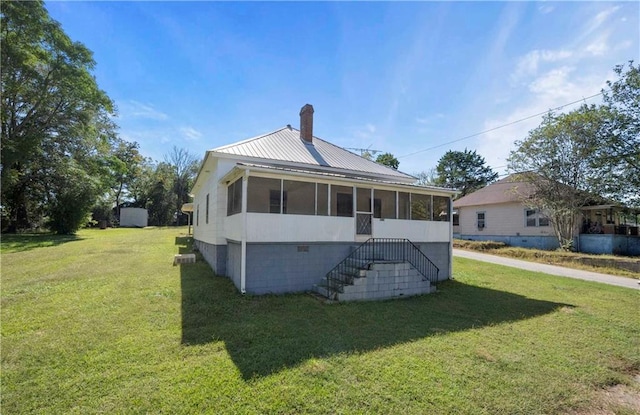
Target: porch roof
{"type": "Point", "coordinates": [240, 167]}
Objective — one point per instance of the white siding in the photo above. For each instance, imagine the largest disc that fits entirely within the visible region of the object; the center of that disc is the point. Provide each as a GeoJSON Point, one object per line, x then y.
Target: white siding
{"type": "Point", "coordinates": [414, 230]}
{"type": "Point", "coordinates": [267, 227]}
{"type": "Point", "coordinates": [506, 219]}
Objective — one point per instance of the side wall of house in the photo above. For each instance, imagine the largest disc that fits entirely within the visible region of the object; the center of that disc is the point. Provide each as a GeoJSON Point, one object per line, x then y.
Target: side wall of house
{"type": "Point", "coordinates": [504, 223]}
{"type": "Point", "coordinates": [208, 227]}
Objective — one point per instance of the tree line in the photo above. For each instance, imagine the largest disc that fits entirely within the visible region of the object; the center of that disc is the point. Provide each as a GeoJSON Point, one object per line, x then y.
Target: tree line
{"type": "Point", "coordinates": [61, 156]}
{"type": "Point", "coordinates": [63, 163]}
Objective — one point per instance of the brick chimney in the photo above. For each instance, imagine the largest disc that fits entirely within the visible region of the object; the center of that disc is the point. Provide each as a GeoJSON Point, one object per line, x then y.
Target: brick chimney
{"type": "Point", "coordinates": [306, 123]}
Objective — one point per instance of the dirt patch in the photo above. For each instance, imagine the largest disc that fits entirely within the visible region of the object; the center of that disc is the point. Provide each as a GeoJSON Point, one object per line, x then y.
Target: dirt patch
{"type": "Point", "coordinates": [615, 400]}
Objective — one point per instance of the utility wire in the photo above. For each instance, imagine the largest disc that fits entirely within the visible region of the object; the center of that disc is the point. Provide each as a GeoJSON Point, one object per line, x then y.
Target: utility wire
{"type": "Point", "coordinates": [500, 126]}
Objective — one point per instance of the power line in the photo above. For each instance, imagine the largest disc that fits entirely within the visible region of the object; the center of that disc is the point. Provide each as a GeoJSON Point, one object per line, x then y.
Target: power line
{"type": "Point", "coordinates": [500, 126]}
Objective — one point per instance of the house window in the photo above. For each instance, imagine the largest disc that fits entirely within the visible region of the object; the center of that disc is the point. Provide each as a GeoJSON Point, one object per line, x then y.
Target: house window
{"type": "Point", "coordinates": [456, 219]}
{"type": "Point", "coordinates": [197, 215]}
{"type": "Point", "coordinates": [263, 195]}
{"type": "Point", "coordinates": [535, 218]}
{"type": "Point", "coordinates": [341, 201]}
{"type": "Point", "coordinates": [441, 208]}
{"type": "Point", "coordinates": [299, 198]}
{"type": "Point", "coordinates": [384, 204]}
{"type": "Point", "coordinates": [481, 220]}
{"type": "Point", "coordinates": [420, 207]}
{"type": "Point", "coordinates": [206, 213]}
{"type": "Point", "coordinates": [234, 197]}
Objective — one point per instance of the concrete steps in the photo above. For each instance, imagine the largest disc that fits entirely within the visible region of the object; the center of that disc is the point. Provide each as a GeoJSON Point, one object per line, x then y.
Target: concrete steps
{"type": "Point", "coordinates": [379, 280]}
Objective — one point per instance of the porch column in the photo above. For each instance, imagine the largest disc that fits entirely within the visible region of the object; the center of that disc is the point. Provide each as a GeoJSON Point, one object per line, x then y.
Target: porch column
{"type": "Point", "coordinates": [243, 241]}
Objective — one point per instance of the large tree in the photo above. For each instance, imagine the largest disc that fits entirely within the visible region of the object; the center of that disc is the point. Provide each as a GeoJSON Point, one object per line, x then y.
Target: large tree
{"type": "Point", "coordinates": [617, 154]}
{"type": "Point", "coordinates": [185, 168]}
{"type": "Point", "coordinates": [55, 124]}
{"type": "Point", "coordinates": [125, 165]}
{"type": "Point", "coordinates": [463, 170]}
{"type": "Point", "coordinates": [558, 159]}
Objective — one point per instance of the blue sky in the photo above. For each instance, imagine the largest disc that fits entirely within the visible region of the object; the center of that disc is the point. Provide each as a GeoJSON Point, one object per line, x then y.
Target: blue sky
{"type": "Point", "coordinates": [404, 78]}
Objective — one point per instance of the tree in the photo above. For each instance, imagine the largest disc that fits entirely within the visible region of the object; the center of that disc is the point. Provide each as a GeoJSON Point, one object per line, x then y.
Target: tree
{"type": "Point", "coordinates": [161, 199]}
{"type": "Point", "coordinates": [388, 160]}
{"type": "Point", "coordinates": [185, 167]}
{"type": "Point", "coordinates": [125, 164]}
{"type": "Point", "coordinates": [427, 178]}
{"type": "Point", "coordinates": [617, 154]}
{"type": "Point", "coordinates": [463, 170]}
{"type": "Point", "coordinates": [54, 118]}
{"type": "Point", "coordinates": [558, 156]}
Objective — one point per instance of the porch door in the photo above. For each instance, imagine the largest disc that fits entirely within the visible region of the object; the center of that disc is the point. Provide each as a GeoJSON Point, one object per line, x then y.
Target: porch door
{"type": "Point", "coordinates": [364, 211]}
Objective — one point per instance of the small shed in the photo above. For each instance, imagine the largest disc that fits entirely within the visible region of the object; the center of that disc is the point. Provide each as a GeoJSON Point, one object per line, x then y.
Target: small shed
{"type": "Point", "coordinates": [133, 217]}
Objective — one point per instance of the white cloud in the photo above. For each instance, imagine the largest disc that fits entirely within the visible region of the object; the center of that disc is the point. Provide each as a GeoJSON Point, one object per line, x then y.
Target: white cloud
{"type": "Point", "coordinates": [600, 18]}
{"type": "Point", "coordinates": [429, 118]}
{"type": "Point", "coordinates": [190, 133]}
{"type": "Point", "coordinates": [135, 109]}
{"type": "Point", "coordinates": [554, 84]}
{"type": "Point", "coordinates": [599, 46]}
{"type": "Point", "coordinates": [551, 90]}
{"type": "Point", "coordinates": [546, 8]}
{"type": "Point", "coordinates": [529, 64]}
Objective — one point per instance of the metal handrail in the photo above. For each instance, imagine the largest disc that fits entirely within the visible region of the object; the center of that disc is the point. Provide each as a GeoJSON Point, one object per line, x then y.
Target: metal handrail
{"type": "Point", "coordinates": [375, 250]}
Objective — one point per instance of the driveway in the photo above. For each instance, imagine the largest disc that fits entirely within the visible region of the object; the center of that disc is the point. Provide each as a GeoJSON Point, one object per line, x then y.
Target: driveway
{"type": "Point", "coordinates": [550, 269]}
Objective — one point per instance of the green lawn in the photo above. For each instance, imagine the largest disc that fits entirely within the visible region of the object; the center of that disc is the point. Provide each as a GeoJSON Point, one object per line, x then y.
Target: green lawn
{"type": "Point", "coordinates": [103, 322]}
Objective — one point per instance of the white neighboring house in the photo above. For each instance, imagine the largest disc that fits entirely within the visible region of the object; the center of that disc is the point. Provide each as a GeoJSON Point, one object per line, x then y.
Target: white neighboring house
{"type": "Point", "coordinates": [496, 213]}
{"type": "Point", "coordinates": [279, 211]}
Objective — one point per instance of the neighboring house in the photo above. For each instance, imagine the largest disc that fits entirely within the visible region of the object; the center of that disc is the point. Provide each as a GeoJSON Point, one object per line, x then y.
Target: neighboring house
{"type": "Point", "coordinates": [276, 213]}
{"type": "Point", "coordinates": [497, 213]}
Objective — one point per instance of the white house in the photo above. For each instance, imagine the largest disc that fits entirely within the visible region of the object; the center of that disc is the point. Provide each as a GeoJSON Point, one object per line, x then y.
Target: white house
{"type": "Point", "coordinates": [497, 213]}
{"type": "Point", "coordinates": [276, 213]}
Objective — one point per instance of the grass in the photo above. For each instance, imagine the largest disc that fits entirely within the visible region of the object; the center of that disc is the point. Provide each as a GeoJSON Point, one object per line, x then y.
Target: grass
{"type": "Point", "coordinates": [106, 324]}
{"type": "Point", "coordinates": [606, 264]}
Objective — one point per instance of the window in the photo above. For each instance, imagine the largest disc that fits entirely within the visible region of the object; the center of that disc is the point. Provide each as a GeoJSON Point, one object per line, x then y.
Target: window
{"type": "Point", "coordinates": [480, 220]}
{"type": "Point", "coordinates": [384, 204]}
{"type": "Point", "coordinates": [197, 215]}
{"type": "Point", "coordinates": [263, 195]}
{"type": "Point", "coordinates": [533, 217]}
{"type": "Point", "coordinates": [234, 197]}
{"type": "Point", "coordinates": [206, 213]}
{"type": "Point", "coordinates": [456, 219]}
{"type": "Point", "coordinates": [341, 201]}
{"type": "Point", "coordinates": [299, 198]}
{"type": "Point", "coordinates": [420, 207]}
{"type": "Point", "coordinates": [441, 208]}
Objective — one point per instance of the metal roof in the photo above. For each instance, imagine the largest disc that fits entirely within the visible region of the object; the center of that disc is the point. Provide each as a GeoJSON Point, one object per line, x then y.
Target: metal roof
{"type": "Point", "coordinates": [286, 146]}
{"type": "Point", "coordinates": [507, 190]}
{"type": "Point", "coordinates": [343, 176]}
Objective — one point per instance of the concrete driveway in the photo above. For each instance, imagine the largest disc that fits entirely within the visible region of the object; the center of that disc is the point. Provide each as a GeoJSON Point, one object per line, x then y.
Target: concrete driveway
{"type": "Point", "coordinates": [551, 269]}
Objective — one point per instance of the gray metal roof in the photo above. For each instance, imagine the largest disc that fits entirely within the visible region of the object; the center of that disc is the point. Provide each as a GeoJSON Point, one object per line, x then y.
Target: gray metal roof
{"type": "Point", "coordinates": [286, 146]}
{"type": "Point", "coordinates": [348, 177]}
{"type": "Point", "coordinates": [508, 190]}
